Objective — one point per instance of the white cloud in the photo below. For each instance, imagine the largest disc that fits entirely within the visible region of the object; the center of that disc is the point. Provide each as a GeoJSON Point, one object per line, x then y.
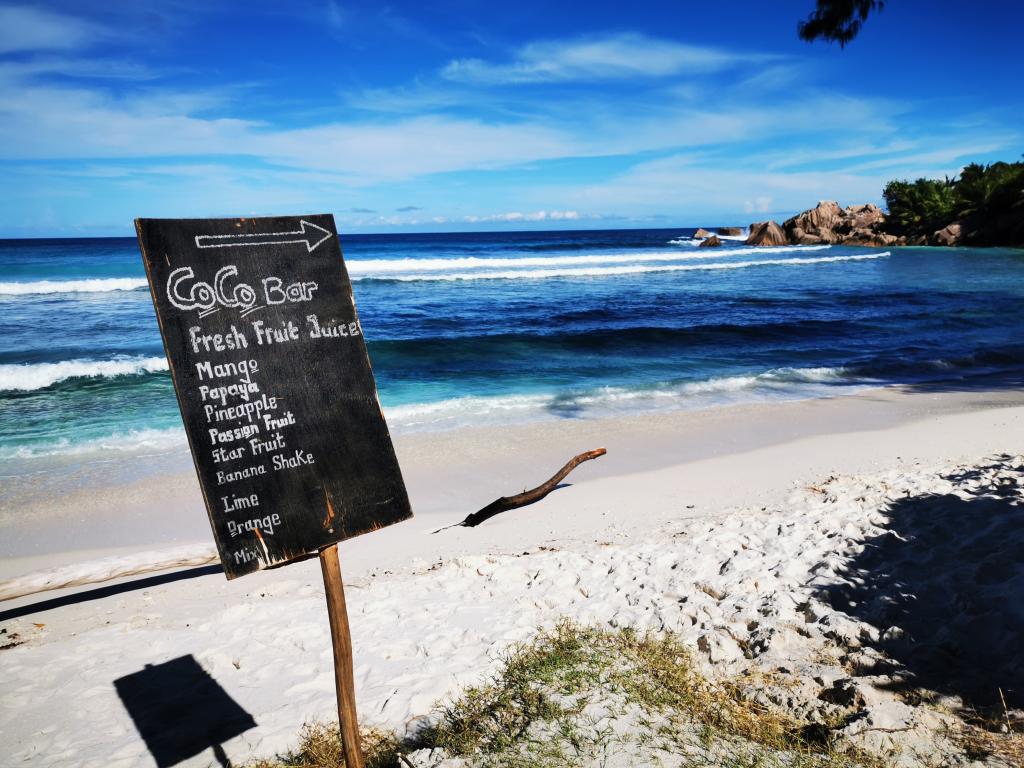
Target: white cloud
{"type": "Point", "coordinates": [413, 147]}
{"type": "Point", "coordinates": [336, 15]}
{"type": "Point", "coordinates": [42, 122]}
{"type": "Point", "coordinates": [92, 125]}
{"type": "Point", "coordinates": [790, 158]}
{"type": "Point", "coordinates": [761, 204]}
{"type": "Point", "coordinates": [944, 156]}
{"type": "Point", "coordinates": [612, 57]}
{"type": "Point", "coordinates": [107, 69]}
{"type": "Point", "coordinates": [193, 153]}
{"type": "Point", "coordinates": [514, 216]}
{"type": "Point", "coordinates": [693, 190]}
{"type": "Point", "coordinates": [24, 28]}
{"type": "Point", "coordinates": [408, 99]}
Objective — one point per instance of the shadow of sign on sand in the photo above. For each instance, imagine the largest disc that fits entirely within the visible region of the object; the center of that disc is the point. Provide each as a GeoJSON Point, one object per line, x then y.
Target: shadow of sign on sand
{"type": "Point", "coordinates": [948, 572]}
{"type": "Point", "coordinates": [109, 590]}
{"type": "Point", "coordinates": [180, 711]}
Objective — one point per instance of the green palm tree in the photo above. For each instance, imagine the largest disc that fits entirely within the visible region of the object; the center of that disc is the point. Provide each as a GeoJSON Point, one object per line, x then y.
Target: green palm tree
{"type": "Point", "coordinates": [920, 207]}
{"type": "Point", "coordinates": [987, 191]}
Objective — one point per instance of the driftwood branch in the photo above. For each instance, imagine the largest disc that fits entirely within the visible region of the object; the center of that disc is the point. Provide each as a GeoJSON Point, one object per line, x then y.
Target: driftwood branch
{"type": "Point", "coordinates": [505, 503]}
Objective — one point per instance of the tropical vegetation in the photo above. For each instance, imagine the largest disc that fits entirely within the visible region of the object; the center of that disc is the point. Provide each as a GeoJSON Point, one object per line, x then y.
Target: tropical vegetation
{"type": "Point", "coordinates": [987, 201]}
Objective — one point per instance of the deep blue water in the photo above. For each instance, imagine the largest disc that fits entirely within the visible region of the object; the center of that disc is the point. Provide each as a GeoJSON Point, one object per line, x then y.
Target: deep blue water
{"type": "Point", "coordinates": [500, 327]}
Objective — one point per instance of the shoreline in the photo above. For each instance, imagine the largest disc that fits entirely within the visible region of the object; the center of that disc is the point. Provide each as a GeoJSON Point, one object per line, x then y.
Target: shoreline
{"type": "Point", "coordinates": [451, 473]}
{"type": "Point", "coordinates": [739, 531]}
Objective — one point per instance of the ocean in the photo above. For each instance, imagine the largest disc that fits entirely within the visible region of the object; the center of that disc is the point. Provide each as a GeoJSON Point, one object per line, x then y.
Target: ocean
{"type": "Point", "coordinates": [497, 328]}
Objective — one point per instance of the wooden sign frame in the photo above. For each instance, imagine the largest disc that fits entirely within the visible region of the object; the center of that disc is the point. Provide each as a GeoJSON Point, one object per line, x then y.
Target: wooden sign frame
{"type": "Point", "coordinates": [274, 384]}
{"type": "Point", "coordinates": [278, 398]}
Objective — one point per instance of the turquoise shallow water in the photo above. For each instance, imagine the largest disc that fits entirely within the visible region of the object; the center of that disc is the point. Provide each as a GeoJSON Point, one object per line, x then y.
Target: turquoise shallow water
{"type": "Point", "coordinates": [498, 327]}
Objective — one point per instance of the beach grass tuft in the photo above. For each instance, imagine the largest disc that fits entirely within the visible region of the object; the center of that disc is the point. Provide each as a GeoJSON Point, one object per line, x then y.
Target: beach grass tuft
{"type": "Point", "coordinates": [994, 733]}
{"type": "Point", "coordinates": [575, 695]}
{"type": "Point", "coordinates": [578, 695]}
{"type": "Point", "coordinates": [320, 747]}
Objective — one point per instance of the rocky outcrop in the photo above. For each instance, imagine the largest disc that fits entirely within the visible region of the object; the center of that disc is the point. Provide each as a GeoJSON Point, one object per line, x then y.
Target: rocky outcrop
{"type": "Point", "coordinates": [867, 216]}
{"type": "Point", "coordinates": [870, 238]}
{"type": "Point", "coordinates": [863, 225]}
{"type": "Point", "coordinates": [766, 233]}
{"type": "Point", "coordinates": [825, 216]}
{"type": "Point", "coordinates": [829, 224]}
{"type": "Point", "coordinates": [700, 233]}
{"type": "Point", "coordinates": [951, 234]}
{"type": "Point", "coordinates": [711, 242]}
{"type": "Point", "coordinates": [733, 231]}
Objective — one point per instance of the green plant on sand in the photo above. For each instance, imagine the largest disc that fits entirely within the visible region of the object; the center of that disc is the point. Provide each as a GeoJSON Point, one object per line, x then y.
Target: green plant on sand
{"type": "Point", "coordinates": [577, 695]}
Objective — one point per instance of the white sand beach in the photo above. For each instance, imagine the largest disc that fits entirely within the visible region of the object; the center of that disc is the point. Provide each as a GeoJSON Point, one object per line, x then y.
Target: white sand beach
{"type": "Point", "coordinates": [858, 546]}
{"type": "Point", "coordinates": [653, 374]}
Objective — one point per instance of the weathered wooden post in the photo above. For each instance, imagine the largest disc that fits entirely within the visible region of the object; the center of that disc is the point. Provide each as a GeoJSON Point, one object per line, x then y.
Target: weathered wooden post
{"type": "Point", "coordinates": [341, 639]}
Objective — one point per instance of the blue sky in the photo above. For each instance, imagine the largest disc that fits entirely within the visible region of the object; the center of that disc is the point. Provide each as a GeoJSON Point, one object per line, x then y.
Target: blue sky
{"type": "Point", "coordinates": [462, 115]}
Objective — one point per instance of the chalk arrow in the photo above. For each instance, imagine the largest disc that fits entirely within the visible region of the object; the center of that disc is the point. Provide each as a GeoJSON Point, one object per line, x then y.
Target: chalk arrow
{"type": "Point", "coordinates": [310, 234]}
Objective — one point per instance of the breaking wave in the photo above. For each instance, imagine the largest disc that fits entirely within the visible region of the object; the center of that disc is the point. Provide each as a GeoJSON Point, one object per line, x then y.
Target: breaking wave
{"type": "Point", "coordinates": [92, 285]}
{"type": "Point", "coordinates": [630, 269]}
{"type": "Point", "coordinates": [133, 441]}
{"type": "Point", "coordinates": [779, 383]}
{"type": "Point", "coordinates": [375, 267]}
{"type": "Point", "coordinates": [31, 376]}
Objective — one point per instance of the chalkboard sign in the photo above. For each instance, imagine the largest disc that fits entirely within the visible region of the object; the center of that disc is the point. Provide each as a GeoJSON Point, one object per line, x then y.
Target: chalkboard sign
{"type": "Point", "coordinates": [274, 384]}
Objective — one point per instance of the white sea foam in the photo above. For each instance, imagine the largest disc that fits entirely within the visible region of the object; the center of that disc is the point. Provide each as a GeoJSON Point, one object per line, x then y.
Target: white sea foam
{"type": "Point", "coordinates": [369, 268]}
{"type": "Point", "coordinates": [777, 383]}
{"type": "Point", "coordinates": [699, 240]}
{"type": "Point", "coordinates": [775, 380]}
{"type": "Point", "coordinates": [461, 411]}
{"type": "Point", "coordinates": [630, 269]}
{"type": "Point", "coordinates": [91, 285]}
{"type": "Point", "coordinates": [30, 376]}
{"type": "Point", "coordinates": [808, 375]}
{"type": "Point", "coordinates": [133, 441]}
{"type": "Point", "coordinates": [382, 267]}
